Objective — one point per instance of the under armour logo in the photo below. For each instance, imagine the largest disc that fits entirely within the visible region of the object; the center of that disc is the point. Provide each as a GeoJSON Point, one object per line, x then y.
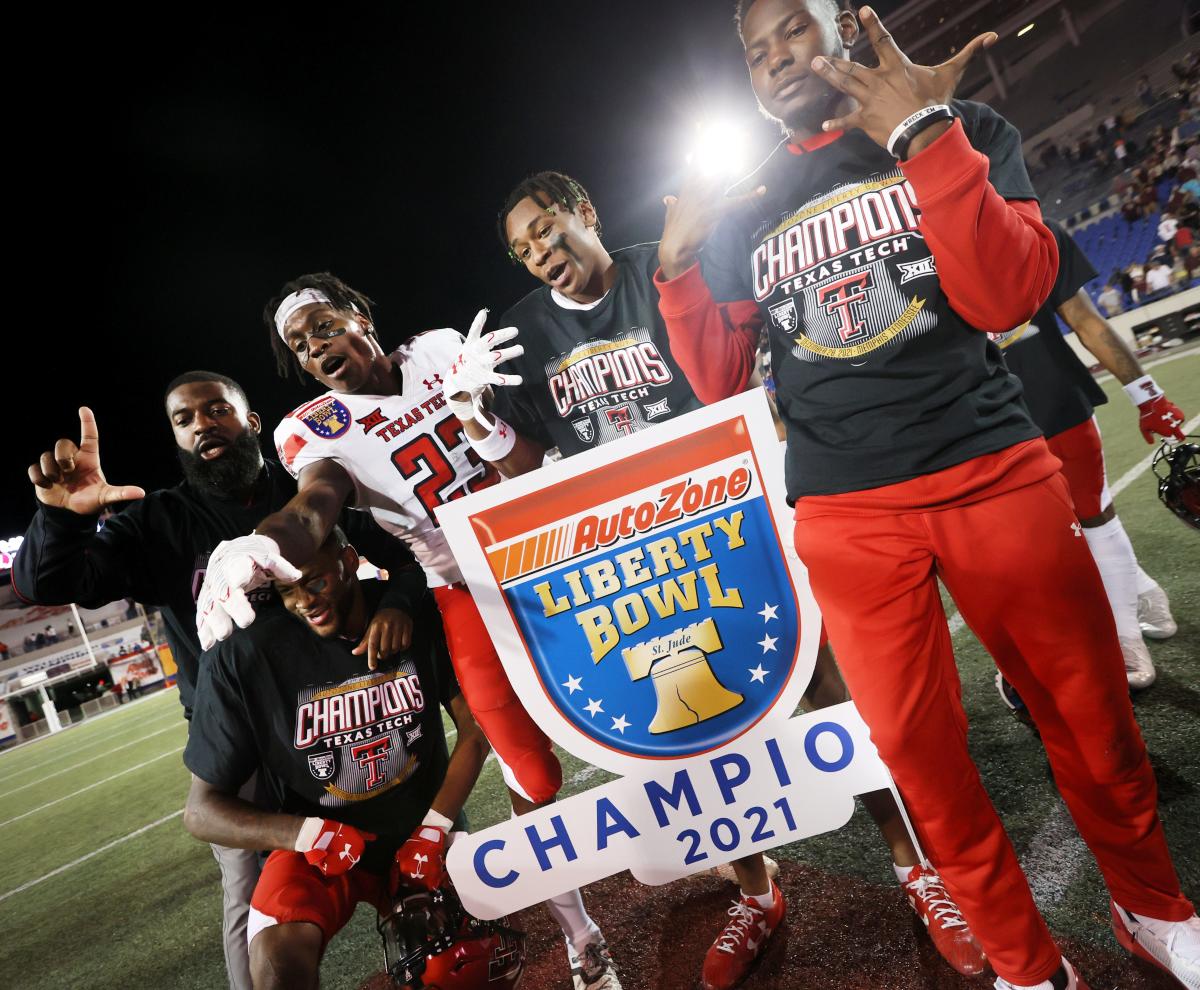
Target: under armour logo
{"type": "Point", "coordinates": [347, 854]}
{"type": "Point", "coordinates": [421, 860]}
{"type": "Point", "coordinates": [1076, 529]}
{"type": "Point", "coordinates": [437, 380]}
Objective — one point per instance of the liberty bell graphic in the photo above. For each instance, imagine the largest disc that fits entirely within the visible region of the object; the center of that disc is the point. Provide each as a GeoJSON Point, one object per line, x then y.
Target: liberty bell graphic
{"type": "Point", "coordinates": [685, 685]}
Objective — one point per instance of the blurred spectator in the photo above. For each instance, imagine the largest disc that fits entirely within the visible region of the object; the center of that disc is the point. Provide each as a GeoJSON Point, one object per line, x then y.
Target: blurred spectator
{"type": "Point", "coordinates": [1158, 278]}
{"type": "Point", "coordinates": [1167, 227]}
{"type": "Point", "coordinates": [51, 635]}
{"type": "Point", "coordinates": [3, 650]}
{"type": "Point", "coordinates": [119, 690]}
{"type": "Point", "coordinates": [1111, 300]}
{"type": "Point", "coordinates": [1119, 151]}
{"type": "Point", "coordinates": [1144, 91]}
{"type": "Point", "coordinates": [30, 642]}
{"type": "Point", "coordinates": [1191, 262]}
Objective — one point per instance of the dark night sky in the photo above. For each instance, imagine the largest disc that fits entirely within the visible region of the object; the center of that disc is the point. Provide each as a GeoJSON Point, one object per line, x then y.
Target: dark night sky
{"type": "Point", "coordinates": [170, 177]}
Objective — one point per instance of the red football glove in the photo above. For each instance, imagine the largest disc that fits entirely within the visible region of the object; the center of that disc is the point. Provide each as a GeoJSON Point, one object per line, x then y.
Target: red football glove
{"type": "Point", "coordinates": [333, 848]}
{"type": "Point", "coordinates": [421, 861]}
{"type": "Point", "coordinates": [1160, 415]}
{"type": "Point", "coordinates": [1156, 413]}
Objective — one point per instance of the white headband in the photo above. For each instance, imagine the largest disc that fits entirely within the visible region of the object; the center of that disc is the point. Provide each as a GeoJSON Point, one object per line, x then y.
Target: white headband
{"type": "Point", "coordinates": [295, 301]}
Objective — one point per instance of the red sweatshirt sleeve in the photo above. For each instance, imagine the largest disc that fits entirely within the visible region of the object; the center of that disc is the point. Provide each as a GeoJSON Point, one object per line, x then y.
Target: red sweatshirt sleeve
{"type": "Point", "coordinates": [996, 260]}
{"type": "Point", "coordinates": [714, 343]}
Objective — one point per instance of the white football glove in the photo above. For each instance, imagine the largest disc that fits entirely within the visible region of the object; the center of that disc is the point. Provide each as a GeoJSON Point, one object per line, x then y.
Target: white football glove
{"type": "Point", "coordinates": [475, 369]}
{"type": "Point", "coordinates": [235, 567]}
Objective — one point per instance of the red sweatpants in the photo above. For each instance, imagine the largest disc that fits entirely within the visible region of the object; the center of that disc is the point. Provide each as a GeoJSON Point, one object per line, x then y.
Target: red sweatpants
{"type": "Point", "coordinates": [523, 747]}
{"type": "Point", "coordinates": [1001, 532]}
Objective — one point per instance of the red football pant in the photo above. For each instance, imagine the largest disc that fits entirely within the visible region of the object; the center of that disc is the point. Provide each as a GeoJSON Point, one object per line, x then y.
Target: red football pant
{"type": "Point", "coordinates": [523, 747]}
{"type": "Point", "coordinates": [1025, 581]}
{"type": "Point", "coordinates": [1082, 456]}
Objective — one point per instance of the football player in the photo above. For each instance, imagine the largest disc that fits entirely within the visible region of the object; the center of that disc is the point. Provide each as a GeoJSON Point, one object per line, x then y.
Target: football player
{"type": "Point", "coordinates": [1060, 394]}
{"type": "Point", "coordinates": [354, 756]}
{"type": "Point", "coordinates": [384, 439]}
{"type": "Point", "coordinates": [156, 549]}
{"type": "Point", "coordinates": [595, 365]}
{"type": "Point", "coordinates": [882, 239]}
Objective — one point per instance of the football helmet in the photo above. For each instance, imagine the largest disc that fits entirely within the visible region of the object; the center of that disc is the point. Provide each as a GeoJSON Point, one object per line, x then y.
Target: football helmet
{"type": "Point", "coordinates": [431, 943]}
{"type": "Point", "coordinates": [1177, 467]}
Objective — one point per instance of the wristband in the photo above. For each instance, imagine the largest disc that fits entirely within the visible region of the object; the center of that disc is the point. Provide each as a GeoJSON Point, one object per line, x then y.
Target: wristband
{"type": "Point", "coordinates": [1144, 389]}
{"type": "Point", "coordinates": [911, 126]}
{"type": "Point", "coordinates": [498, 444]}
{"type": "Point", "coordinates": [437, 820]}
{"type": "Point", "coordinates": [310, 831]}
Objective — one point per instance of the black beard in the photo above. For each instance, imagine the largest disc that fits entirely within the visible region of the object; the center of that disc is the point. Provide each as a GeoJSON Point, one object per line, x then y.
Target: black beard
{"type": "Point", "coordinates": [234, 472]}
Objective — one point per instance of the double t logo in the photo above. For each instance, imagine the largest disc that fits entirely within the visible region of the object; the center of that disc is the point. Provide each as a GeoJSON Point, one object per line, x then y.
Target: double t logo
{"type": "Point", "coordinates": [840, 296]}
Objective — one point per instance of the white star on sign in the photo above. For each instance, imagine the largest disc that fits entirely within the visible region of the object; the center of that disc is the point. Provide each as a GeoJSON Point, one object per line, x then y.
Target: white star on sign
{"type": "Point", "coordinates": [620, 724]}
{"type": "Point", "coordinates": [757, 674]}
{"type": "Point", "coordinates": [593, 707]}
{"type": "Point", "coordinates": [768, 643]}
{"type": "Point", "coordinates": [769, 612]}
{"type": "Point", "coordinates": [572, 684]}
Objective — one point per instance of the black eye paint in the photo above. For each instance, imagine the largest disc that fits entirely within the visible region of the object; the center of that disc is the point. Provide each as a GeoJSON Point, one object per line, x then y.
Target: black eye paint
{"type": "Point", "coordinates": [559, 242]}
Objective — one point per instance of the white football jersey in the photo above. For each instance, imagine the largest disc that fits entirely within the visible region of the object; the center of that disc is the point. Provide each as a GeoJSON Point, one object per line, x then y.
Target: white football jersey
{"type": "Point", "coordinates": [406, 453]}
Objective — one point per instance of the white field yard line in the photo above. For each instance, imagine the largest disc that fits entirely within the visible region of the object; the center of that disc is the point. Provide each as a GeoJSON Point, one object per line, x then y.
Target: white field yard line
{"type": "Point", "coordinates": [86, 856]}
{"type": "Point", "coordinates": [102, 756]}
{"type": "Point", "coordinates": [1053, 857]}
{"type": "Point", "coordinates": [98, 783]}
{"type": "Point", "coordinates": [101, 741]}
{"type": "Point", "coordinates": [957, 623]}
{"type": "Point", "coordinates": [78, 730]}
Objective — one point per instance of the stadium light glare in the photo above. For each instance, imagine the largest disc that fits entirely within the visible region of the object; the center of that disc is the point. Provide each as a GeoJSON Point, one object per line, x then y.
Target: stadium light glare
{"type": "Point", "coordinates": [718, 148]}
{"type": "Point", "coordinates": [1026, 29]}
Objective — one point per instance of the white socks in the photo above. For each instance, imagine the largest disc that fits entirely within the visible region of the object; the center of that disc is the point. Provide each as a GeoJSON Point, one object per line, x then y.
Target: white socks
{"type": "Point", "coordinates": [1145, 583]}
{"type": "Point", "coordinates": [1118, 568]}
{"type": "Point", "coordinates": [764, 901]}
{"type": "Point", "coordinates": [902, 873]}
{"type": "Point", "coordinates": [572, 917]}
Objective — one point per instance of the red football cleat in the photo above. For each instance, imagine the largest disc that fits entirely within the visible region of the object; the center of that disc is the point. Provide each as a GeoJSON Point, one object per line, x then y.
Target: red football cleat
{"type": "Point", "coordinates": [736, 950]}
{"type": "Point", "coordinates": [951, 934]}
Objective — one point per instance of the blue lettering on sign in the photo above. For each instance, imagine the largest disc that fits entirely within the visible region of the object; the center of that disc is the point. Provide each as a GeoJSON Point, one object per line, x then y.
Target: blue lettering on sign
{"type": "Point", "coordinates": [560, 840]}
{"type": "Point", "coordinates": [609, 821]}
{"type": "Point", "coordinates": [484, 874]}
{"type": "Point", "coordinates": [681, 789]}
{"type": "Point", "coordinates": [815, 758]}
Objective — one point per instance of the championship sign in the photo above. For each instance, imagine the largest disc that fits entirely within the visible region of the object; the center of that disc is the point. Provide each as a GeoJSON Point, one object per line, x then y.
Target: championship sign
{"type": "Point", "coordinates": [645, 607]}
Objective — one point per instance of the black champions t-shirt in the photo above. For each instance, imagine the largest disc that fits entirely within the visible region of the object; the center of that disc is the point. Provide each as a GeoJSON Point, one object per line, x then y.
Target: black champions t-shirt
{"type": "Point", "coordinates": [1059, 391]}
{"type": "Point", "coordinates": [877, 379]}
{"type": "Point", "coordinates": [334, 739]}
{"type": "Point", "coordinates": [592, 375]}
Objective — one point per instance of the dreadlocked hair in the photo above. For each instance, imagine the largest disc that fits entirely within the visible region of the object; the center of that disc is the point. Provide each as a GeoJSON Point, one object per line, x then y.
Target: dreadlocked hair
{"type": "Point", "coordinates": [546, 189]}
{"type": "Point", "coordinates": [742, 7]}
{"type": "Point", "coordinates": [341, 297]}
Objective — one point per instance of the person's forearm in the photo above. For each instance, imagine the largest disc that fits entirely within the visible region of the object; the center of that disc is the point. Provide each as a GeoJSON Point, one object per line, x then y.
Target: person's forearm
{"type": "Point", "coordinates": [466, 761]}
{"type": "Point", "coordinates": [715, 344]}
{"type": "Point", "coordinates": [227, 820]}
{"type": "Point", "coordinates": [996, 260]}
{"type": "Point", "coordinates": [301, 526]}
{"type": "Point", "coordinates": [1109, 349]}
{"type": "Point", "coordinates": [54, 565]}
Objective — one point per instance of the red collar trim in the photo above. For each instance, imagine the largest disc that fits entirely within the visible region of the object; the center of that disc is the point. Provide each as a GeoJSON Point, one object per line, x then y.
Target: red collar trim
{"type": "Point", "coordinates": [814, 142]}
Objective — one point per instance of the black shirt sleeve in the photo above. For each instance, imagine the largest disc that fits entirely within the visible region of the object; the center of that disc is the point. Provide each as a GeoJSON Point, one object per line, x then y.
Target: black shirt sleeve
{"type": "Point", "coordinates": [221, 748]}
{"type": "Point", "coordinates": [64, 558]}
{"type": "Point", "coordinates": [995, 137]}
{"type": "Point", "coordinates": [1074, 269]}
{"type": "Point", "coordinates": [406, 583]}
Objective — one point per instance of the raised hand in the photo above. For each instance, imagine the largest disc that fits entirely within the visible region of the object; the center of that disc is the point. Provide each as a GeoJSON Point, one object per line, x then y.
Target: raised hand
{"type": "Point", "coordinates": [474, 369]}
{"type": "Point", "coordinates": [390, 632]}
{"type": "Point", "coordinates": [69, 477]}
{"type": "Point", "coordinates": [691, 218]}
{"type": "Point", "coordinates": [897, 88]}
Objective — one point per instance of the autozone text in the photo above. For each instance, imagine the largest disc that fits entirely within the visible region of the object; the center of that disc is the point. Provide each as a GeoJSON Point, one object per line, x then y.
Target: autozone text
{"type": "Point", "coordinates": [817, 243]}
{"type": "Point", "coordinates": [662, 805]}
{"type": "Point", "coordinates": [593, 376]}
{"type": "Point", "coordinates": [348, 712]}
{"type": "Point", "coordinates": [675, 500]}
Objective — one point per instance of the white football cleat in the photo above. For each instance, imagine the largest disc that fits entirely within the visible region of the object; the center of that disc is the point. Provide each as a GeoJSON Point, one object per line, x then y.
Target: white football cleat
{"type": "Point", "coordinates": [1065, 979]}
{"type": "Point", "coordinates": [1173, 946]}
{"type": "Point", "coordinates": [1139, 668]}
{"type": "Point", "coordinates": [1154, 615]}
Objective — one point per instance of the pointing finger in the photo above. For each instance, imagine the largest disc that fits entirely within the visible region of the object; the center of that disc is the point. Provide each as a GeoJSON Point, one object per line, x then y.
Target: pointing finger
{"type": "Point", "coordinates": [883, 43]}
{"type": "Point", "coordinates": [121, 493]}
{"type": "Point", "coordinates": [88, 432]}
{"type": "Point", "coordinates": [502, 336]}
{"type": "Point", "coordinates": [958, 64]}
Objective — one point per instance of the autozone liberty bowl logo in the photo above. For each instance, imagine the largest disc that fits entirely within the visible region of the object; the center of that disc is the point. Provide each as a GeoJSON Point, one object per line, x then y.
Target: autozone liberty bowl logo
{"type": "Point", "coordinates": [661, 624]}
